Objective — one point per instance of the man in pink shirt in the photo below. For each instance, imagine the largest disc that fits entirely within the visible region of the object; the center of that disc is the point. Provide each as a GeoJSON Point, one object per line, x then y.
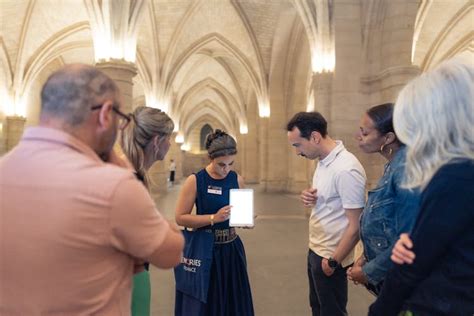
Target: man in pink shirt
{"type": "Point", "coordinates": [73, 221]}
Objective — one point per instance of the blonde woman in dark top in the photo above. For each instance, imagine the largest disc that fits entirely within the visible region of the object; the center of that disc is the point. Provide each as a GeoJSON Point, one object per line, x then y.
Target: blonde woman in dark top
{"type": "Point", "coordinates": [145, 140]}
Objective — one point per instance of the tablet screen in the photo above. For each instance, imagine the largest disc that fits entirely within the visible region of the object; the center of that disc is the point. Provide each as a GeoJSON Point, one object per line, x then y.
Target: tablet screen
{"type": "Point", "coordinates": [241, 213]}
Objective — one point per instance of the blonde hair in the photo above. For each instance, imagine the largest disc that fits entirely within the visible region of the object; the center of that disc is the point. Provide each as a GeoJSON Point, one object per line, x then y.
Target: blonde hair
{"type": "Point", "coordinates": [434, 117]}
{"type": "Point", "coordinates": [145, 124]}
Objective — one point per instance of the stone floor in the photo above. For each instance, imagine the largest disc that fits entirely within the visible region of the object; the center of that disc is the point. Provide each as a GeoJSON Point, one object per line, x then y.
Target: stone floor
{"type": "Point", "coordinates": [276, 254]}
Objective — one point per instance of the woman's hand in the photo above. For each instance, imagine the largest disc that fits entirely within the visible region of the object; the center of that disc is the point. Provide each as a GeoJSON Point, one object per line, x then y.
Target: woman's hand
{"type": "Point", "coordinates": [401, 252]}
{"type": "Point", "coordinates": [222, 214]}
{"type": "Point", "coordinates": [356, 275]}
{"type": "Point", "coordinates": [360, 262]}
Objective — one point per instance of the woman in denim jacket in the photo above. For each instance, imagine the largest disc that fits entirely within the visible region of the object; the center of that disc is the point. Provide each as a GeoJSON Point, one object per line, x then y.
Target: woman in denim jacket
{"type": "Point", "coordinates": [390, 209]}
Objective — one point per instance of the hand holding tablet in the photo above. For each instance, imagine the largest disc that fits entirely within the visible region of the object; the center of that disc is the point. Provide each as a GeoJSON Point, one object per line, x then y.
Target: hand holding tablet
{"type": "Point", "coordinates": [241, 214]}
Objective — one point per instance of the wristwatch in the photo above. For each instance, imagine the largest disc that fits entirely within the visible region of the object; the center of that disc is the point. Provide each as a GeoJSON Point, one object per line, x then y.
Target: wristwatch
{"type": "Point", "coordinates": [332, 263]}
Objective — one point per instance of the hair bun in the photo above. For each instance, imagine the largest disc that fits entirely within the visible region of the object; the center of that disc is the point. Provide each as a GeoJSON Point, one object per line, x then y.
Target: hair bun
{"type": "Point", "coordinates": [211, 137]}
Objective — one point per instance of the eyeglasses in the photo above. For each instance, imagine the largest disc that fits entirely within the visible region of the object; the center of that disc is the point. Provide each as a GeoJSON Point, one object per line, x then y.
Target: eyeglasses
{"type": "Point", "coordinates": [124, 119]}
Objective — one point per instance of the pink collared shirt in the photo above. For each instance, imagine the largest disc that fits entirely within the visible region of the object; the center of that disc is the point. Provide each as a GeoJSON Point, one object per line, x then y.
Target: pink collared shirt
{"type": "Point", "coordinates": [70, 226]}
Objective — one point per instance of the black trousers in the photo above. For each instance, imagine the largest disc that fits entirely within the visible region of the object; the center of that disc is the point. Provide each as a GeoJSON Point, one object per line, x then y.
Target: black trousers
{"type": "Point", "coordinates": [327, 294]}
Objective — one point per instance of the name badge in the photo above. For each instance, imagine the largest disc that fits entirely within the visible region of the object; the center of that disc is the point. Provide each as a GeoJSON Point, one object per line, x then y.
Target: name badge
{"type": "Point", "coordinates": [214, 190]}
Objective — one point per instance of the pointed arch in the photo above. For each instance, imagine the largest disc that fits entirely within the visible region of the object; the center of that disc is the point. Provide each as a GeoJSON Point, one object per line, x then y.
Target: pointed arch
{"type": "Point", "coordinates": [50, 50]}
{"type": "Point", "coordinates": [433, 50]}
{"type": "Point", "coordinates": [220, 90]}
{"type": "Point", "coordinates": [205, 130]}
{"type": "Point", "coordinates": [207, 105]}
{"type": "Point", "coordinates": [257, 82]}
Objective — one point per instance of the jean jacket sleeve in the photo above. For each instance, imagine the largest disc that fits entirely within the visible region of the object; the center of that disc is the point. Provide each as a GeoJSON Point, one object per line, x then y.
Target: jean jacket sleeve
{"type": "Point", "coordinates": [406, 211]}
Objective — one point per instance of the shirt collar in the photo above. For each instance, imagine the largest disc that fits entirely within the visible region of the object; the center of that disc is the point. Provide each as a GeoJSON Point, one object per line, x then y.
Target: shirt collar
{"type": "Point", "coordinates": [52, 135]}
{"type": "Point", "coordinates": [332, 154]}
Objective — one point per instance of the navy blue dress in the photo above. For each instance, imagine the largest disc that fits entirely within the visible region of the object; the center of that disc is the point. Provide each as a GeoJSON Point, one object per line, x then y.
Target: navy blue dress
{"type": "Point", "coordinates": [229, 288]}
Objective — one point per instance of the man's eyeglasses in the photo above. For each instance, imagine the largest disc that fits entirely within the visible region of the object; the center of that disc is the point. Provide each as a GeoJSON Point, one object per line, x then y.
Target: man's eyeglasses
{"type": "Point", "coordinates": [124, 119]}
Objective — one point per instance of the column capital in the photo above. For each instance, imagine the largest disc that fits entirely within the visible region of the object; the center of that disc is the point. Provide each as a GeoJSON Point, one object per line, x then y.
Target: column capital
{"type": "Point", "coordinates": [122, 72]}
{"type": "Point", "coordinates": [15, 118]}
{"type": "Point", "coordinates": [118, 65]}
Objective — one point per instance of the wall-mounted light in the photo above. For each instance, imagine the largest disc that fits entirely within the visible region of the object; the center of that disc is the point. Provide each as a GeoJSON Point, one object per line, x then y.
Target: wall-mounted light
{"type": "Point", "coordinates": [323, 61]}
{"type": "Point", "coordinates": [154, 102]}
{"type": "Point", "coordinates": [179, 139]}
{"type": "Point", "coordinates": [163, 106]}
{"type": "Point", "coordinates": [264, 110]}
{"type": "Point", "coordinates": [107, 48]}
{"type": "Point", "coordinates": [244, 129]}
{"type": "Point", "coordinates": [10, 107]}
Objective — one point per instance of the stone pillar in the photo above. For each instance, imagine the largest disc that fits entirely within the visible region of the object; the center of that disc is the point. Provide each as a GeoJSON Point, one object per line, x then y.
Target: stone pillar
{"type": "Point", "coordinates": [158, 176]}
{"type": "Point", "coordinates": [322, 90]}
{"type": "Point", "coordinates": [240, 163]}
{"type": "Point", "coordinates": [3, 147]}
{"type": "Point", "coordinates": [122, 73]}
{"type": "Point", "coordinates": [13, 130]}
{"type": "Point", "coordinates": [263, 151]}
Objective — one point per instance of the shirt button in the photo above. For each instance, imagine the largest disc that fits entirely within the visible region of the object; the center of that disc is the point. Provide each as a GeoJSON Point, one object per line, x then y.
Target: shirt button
{"type": "Point", "coordinates": [378, 244]}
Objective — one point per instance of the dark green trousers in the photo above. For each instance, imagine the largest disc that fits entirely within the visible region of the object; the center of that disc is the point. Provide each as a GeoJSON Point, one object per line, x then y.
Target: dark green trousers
{"type": "Point", "coordinates": [141, 294]}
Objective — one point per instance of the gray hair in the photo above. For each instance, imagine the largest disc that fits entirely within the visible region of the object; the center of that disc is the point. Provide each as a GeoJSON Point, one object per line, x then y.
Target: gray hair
{"type": "Point", "coordinates": [220, 144]}
{"type": "Point", "coordinates": [434, 117]}
{"type": "Point", "coordinates": [146, 123]}
{"type": "Point", "coordinates": [70, 92]}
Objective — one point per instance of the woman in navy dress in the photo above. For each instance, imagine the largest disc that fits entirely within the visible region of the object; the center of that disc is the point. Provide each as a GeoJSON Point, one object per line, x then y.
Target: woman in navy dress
{"type": "Point", "coordinates": [229, 288]}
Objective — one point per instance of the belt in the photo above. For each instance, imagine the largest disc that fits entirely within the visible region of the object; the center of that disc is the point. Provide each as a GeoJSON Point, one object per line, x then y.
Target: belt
{"type": "Point", "coordinates": [223, 236]}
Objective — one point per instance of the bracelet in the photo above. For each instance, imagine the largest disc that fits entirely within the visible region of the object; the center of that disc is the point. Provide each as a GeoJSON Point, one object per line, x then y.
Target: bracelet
{"type": "Point", "coordinates": [212, 220]}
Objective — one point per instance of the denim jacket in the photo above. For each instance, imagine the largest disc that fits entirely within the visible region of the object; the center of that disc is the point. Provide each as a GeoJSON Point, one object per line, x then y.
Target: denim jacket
{"type": "Point", "coordinates": [390, 211]}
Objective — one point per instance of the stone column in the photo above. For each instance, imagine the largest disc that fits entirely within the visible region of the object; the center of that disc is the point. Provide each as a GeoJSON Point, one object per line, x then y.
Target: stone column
{"type": "Point", "coordinates": [158, 176]}
{"type": "Point", "coordinates": [239, 164]}
{"type": "Point", "coordinates": [3, 144]}
{"type": "Point", "coordinates": [13, 130]}
{"type": "Point", "coordinates": [122, 73]}
{"type": "Point", "coordinates": [322, 90]}
{"type": "Point", "coordinates": [263, 151]}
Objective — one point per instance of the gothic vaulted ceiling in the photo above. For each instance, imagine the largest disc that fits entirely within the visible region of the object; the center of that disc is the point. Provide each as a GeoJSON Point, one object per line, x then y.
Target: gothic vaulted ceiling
{"type": "Point", "coordinates": [201, 60]}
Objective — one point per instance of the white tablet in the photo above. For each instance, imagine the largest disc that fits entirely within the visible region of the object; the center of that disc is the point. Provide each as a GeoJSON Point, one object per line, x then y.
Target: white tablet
{"type": "Point", "coordinates": [241, 213]}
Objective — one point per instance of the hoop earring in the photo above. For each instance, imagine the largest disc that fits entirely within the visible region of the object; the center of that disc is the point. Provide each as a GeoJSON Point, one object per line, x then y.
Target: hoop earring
{"type": "Point", "coordinates": [390, 150]}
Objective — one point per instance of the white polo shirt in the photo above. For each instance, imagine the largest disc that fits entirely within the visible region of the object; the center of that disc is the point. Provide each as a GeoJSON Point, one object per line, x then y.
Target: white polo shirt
{"type": "Point", "coordinates": [340, 180]}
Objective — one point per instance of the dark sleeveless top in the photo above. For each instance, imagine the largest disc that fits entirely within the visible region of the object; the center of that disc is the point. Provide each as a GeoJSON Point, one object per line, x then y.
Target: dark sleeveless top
{"type": "Point", "coordinates": [213, 194]}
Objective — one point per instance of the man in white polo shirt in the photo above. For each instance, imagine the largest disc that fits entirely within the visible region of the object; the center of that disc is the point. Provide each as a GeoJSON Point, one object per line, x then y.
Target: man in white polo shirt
{"type": "Point", "coordinates": [337, 197]}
